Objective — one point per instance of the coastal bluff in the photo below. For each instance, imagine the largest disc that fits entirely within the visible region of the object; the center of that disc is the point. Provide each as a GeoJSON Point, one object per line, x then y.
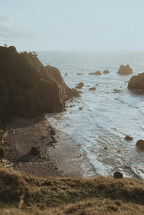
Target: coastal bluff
{"type": "Point", "coordinates": [27, 87]}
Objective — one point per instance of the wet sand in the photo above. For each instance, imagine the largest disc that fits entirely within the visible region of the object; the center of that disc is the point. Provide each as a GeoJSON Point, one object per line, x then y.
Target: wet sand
{"type": "Point", "coordinates": [59, 156]}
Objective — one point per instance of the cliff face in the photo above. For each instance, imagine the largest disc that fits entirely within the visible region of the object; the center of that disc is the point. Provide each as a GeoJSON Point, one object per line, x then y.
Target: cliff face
{"type": "Point", "coordinates": [27, 88]}
{"type": "Point", "coordinates": [137, 83]}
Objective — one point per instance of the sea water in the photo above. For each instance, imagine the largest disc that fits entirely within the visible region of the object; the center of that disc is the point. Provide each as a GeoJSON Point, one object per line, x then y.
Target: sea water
{"type": "Point", "coordinates": [107, 116]}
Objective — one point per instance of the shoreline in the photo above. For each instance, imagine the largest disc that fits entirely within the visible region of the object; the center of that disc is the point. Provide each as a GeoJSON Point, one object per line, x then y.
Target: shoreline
{"type": "Point", "coordinates": [59, 155]}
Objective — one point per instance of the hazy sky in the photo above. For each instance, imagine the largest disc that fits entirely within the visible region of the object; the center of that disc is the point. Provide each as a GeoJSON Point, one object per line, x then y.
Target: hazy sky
{"type": "Point", "coordinates": [72, 24]}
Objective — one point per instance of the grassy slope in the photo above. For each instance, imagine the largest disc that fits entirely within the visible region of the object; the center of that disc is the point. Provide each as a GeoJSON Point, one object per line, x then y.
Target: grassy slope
{"type": "Point", "coordinates": [69, 196]}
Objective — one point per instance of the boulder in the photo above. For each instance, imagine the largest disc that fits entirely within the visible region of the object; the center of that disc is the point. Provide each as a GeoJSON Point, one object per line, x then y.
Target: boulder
{"type": "Point", "coordinates": [116, 91]}
{"type": "Point", "coordinates": [52, 131]}
{"type": "Point", "coordinates": [95, 73]}
{"type": "Point", "coordinates": [35, 150]}
{"type": "Point", "coordinates": [3, 152]}
{"type": "Point", "coordinates": [105, 72]}
{"type": "Point", "coordinates": [128, 138]}
{"type": "Point", "coordinates": [118, 175]}
{"type": "Point", "coordinates": [79, 73]}
{"type": "Point", "coordinates": [140, 144]}
{"type": "Point", "coordinates": [125, 70]}
{"type": "Point", "coordinates": [80, 85]}
{"type": "Point", "coordinates": [80, 108]}
{"type": "Point", "coordinates": [92, 88]}
{"type": "Point", "coordinates": [136, 83]}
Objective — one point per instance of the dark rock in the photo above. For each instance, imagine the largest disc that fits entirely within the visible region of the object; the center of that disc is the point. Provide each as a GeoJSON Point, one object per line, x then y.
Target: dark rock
{"type": "Point", "coordinates": [80, 108]}
{"type": "Point", "coordinates": [92, 88]}
{"type": "Point", "coordinates": [118, 175]}
{"type": "Point", "coordinates": [140, 144]}
{"type": "Point", "coordinates": [28, 88]}
{"type": "Point", "coordinates": [53, 139]}
{"type": "Point", "coordinates": [116, 91]}
{"type": "Point", "coordinates": [3, 152]}
{"type": "Point", "coordinates": [35, 150]}
{"type": "Point", "coordinates": [52, 131]}
{"type": "Point", "coordinates": [137, 83]}
{"type": "Point", "coordinates": [95, 73]}
{"type": "Point", "coordinates": [65, 74]}
{"type": "Point", "coordinates": [79, 73]}
{"type": "Point", "coordinates": [105, 72]}
{"type": "Point", "coordinates": [128, 138]}
{"type": "Point", "coordinates": [125, 70]}
{"type": "Point", "coordinates": [80, 85]}
{"type": "Point", "coordinates": [72, 106]}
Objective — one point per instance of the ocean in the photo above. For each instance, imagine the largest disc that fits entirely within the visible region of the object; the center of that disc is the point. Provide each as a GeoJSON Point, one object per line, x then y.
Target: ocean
{"type": "Point", "coordinates": [107, 115]}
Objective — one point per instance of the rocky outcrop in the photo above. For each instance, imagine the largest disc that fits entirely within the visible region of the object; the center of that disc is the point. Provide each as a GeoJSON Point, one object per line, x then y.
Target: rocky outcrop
{"type": "Point", "coordinates": [136, 83]}
{"type": "Point", "coordinates": [95, 73]}
{"type": "Point", "coordinates": [118, 175]}
{"type": "Point", "coordinates": [125, 70]}
{"type": "Point", "coordinates": [140, 144]}
{"type": "Point", "coordinates": [27, 88]}
{"type": "Point", "coordinates": [128, 138]}
{"type": "Point", "coordinates": [35, 150]}
{"type": "Point", "coordinates": [80, 85]}
{"type": "Point", "coordinates": [106, 72]}
{"type": "Point", "coordinates": [92, 88]}
{"type": "Point", "coordinates": [79, 73]}
{"type": "Point", "coordinates": [116, 91]}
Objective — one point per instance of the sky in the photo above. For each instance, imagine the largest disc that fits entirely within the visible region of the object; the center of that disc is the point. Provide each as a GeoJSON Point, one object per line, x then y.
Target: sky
{"type": "Point", "coordinates": [34, 25]}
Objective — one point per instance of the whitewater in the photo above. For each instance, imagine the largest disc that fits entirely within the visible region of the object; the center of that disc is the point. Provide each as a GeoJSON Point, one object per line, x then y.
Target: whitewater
{"type": "Point", "coordinates": [107, 115]}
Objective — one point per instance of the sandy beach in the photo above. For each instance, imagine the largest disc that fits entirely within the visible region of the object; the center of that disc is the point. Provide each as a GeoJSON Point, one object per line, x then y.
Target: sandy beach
{"type": "Point", "coordinates": [59, 156]}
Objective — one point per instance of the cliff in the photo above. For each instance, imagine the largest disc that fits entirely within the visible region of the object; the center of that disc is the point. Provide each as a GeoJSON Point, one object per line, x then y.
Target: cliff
{"type": "Point", "coordinates": [27, 88]}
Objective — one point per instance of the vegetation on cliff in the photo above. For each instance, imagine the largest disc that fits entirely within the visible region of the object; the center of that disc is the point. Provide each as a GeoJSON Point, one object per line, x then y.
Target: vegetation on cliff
{"type": "Point", "coordinates": [23, 194]}
{"type": "Point", "coordinates": [27, 88]}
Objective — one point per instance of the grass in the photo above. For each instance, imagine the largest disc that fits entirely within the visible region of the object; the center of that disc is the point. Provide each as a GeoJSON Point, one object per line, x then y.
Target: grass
{"type": "Point", "coordinates": [24, 194]}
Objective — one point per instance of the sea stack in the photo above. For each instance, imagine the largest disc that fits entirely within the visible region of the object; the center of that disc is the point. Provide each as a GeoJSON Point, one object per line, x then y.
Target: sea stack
{"type": "Point", "coordinates": [137, 83]}
{"type": "Point", "coordinates": [125, 70]}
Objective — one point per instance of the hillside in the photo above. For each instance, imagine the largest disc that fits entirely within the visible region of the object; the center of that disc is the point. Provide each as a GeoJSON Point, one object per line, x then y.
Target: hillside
{"type": "Point", "coordinates": [23, 194]}
{"type": "Point", "coordinates": [27, 88]}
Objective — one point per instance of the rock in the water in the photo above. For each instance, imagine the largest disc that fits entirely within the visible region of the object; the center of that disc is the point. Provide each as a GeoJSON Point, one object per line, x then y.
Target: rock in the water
{"type": "Point", "coordinates": [105, 72]}
{"type": "Point", "coordinates": [92, 88]}
{"type": "Point", "coordinates": [95, 73]}
{"type": "Point", "coordinates": [118, 175]}
{"type": "Point", "coordinates": [65, 74]}
{"type": "Point", "coordinates": [53, 139]}
{"type": "Point", "coordinates": [140, 144]}
{"type": "Point", "coordinates": [80, 85]}
{"type": "Point", "coordinates": [137, 83]}
{"type": "Point", "coordinates": [35, 150]}
{"type": "Point", "coordinates": [128, 138]}
{"type": "Point", "coordinates": [52, 131]}
{"type": "Point", "coordinates": [79, 73]}
{"type": "Point", "coordinates": [125, 70]}
{"type": "Point", "coordinates": [80, 108]}
{"type": "Point", "coordinates": [116, 91]}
